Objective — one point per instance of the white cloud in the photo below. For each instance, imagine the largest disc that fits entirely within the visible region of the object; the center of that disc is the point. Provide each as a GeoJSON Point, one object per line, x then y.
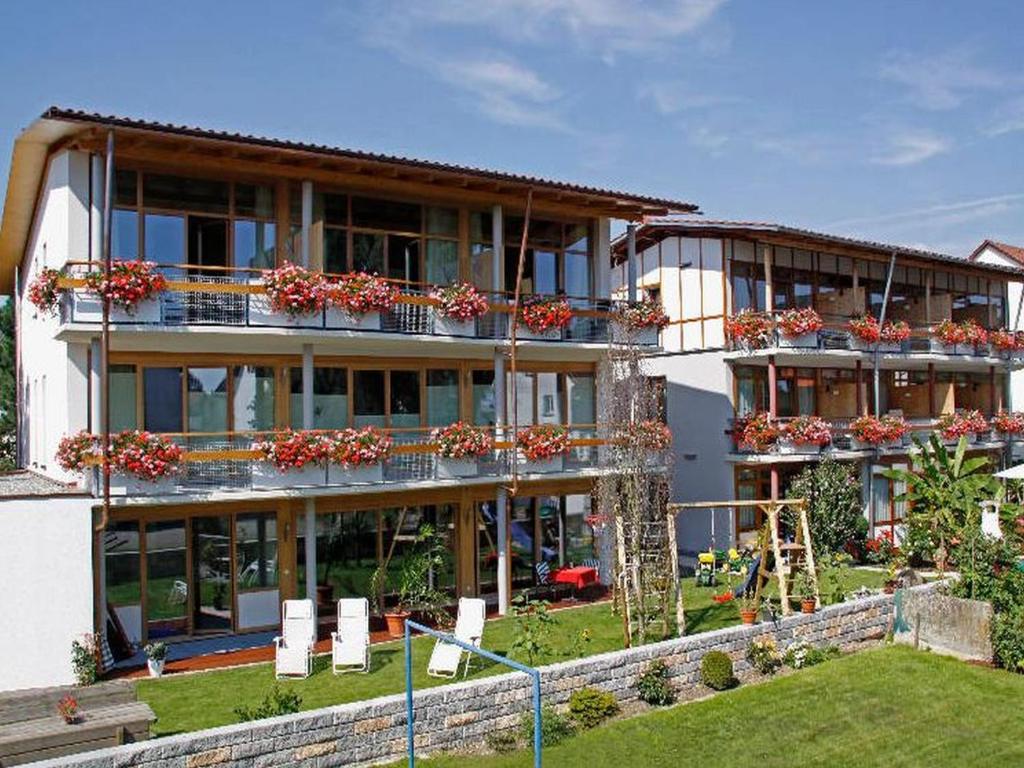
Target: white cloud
{"type": "Point", "coordinates": [943, 81]}
{"type": "Point", "coordinates": [707, 138]}
{"type": "Point", "coordinates": [670, 97]}
{"type": "Point", "coordinates": [910, 147]}
{"type": "Point", "coordinates": [944, 214]}
{"type": "Point", "coordinates": [1008, 118]}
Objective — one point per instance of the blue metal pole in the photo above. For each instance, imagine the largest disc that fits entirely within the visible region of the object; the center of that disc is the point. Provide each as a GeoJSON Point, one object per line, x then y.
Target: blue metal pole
{"type": "Point", "coordinates": [537, 743]}
{"type": "Point", "coordinates": [408, 694]}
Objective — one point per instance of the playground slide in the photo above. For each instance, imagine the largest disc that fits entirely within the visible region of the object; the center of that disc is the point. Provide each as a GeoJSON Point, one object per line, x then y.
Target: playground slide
{"type": "Point", "coordinates": [748, 582]}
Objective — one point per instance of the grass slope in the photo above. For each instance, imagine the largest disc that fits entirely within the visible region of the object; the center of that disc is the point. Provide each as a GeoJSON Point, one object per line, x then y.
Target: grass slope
{"type": "Point", "coordinates": [889, 707]}
{"type": "Point", "coordinates": [204, 700]}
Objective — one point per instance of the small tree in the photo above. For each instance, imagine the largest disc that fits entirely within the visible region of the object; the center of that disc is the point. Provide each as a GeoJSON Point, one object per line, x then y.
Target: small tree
{"type": "Point", "coordinates": [531, 628]}
{"type": "Point", "coordinates": [834, 510]}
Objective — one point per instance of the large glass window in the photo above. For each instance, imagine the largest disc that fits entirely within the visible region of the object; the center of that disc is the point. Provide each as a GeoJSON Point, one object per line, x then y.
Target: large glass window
{"type": "Point", "coordinates": [162, 399]}
{"type": "Point", "coordinates": [255, 244]}
{"type": "Point", "coordinates": [442, 397]}
{"type": "Point", "coordinates": [481, 250]}
{"type": "Point", "coordinates": [368, 398]}
{"type": "Point", "coordinates": [124, 242]}
{"type": "Point", "coordinates": [746, 275]}
{"type": "Point", "coordinates": [405, 399]}
{"type": "Point", "coordinates": [330, 398]}
{"type": "Point", "coordinates": [121, 561]}
{"type": "Point", "coordinates": [483, 397]}
{"type": "Point", "coordinates": [796, 391]}
{"type": "Point", "coordinates": [207, 399]}
{"type": "Point", "coordinates": [123, 414]}
{"type": "Point", "coordinates": [256, 551]}
{"type": "Point", "coordinates": [167, 590]}
{"type": "Point", "coordinates": [165, 238]}
{"type": "Point", "coordinates": [177, 192]}
{"type": "Point", "coordinates": [549, 398]}
{"type": "Point", "coordinates": [253, 397]}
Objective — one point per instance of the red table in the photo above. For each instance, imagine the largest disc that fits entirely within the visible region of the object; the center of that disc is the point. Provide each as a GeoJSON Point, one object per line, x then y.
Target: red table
{"type": "Point", "coordinates": [578, 577]}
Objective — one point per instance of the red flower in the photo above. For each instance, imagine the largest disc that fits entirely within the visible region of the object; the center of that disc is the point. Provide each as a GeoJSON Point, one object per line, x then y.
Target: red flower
{"type": "Point", "coordinates": [357, 447]}
{"type": "Point", "coordinates": [650, 435]}
{"type": "Point", "coordinates": [875, 431]}
{"type": "Point", "coordinates": [895, 332]}
{"type": "Point", "coordinates": [461, 440]}
{"type": "Point", "coordinates": [808, 430]}
{"type": "Point", "coordinates": [294, 290]}
{"type": "Point", "coordinates": [292, 449]}
{"type": "Point", "coordinates": [74, 451]}
{"type": "Point", "coordinates": [43, 291]}
{"type": "Point", "coordinates": [1008, 423]}
{"type": "Point", "coordinates": [358, 293]}
{"type": "Point", "coordinates": [797, 322]}
{"type": "Point", "coordinates": [541, 314]}
{"type": "Point", "coordinates": [950, 333]}
{"type": "Point", "coordinates": [543, 441]}
{"type": "Point", "coordinates": [146, 455]}
{"type": "Point", "coordinates": [757, 430]}
{"type": "Point", "coordinates": [460, 301]}
{"type": "Point", "coordinates": [644, 314]}
{"type": "Point", "coordinates": [750, 328]}
{"type": "Point", "coordinates": [953, 426]}
{"type": "Point", "coordinates": [866, 329]}
{"type": "Point", "coordinates": [129, 283]}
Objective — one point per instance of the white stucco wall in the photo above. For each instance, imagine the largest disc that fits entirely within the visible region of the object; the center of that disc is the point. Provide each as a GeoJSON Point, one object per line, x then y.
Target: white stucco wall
{"type": "Point", "coordinates": [990, 255]}
{"type": "Point", "coordinates": [54, 382]}
{"type": "Point", "coordinates": [47, 601]}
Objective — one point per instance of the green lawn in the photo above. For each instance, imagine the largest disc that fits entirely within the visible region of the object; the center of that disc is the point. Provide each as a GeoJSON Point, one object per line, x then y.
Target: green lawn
{"type": "Point", "coordinates": [888, 707]}
{"type": "Point", "coordinates": [204, 700]}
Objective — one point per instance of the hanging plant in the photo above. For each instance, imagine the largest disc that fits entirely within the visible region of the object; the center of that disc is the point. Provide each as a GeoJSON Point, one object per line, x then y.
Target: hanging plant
{"type": "Point", "coordinates": [543, 314]}
{"type": "Point", "coordinates": [294, 290]}
{"type": "Point", "coordinates": [292, 449]}
{"type": "Point", "coordinates": [808, 430]}
{"type": "Point", "coordinates": [797, 322]}
{"type": "Point", "coordinates": [750, 328]}
{"type": "Point", "coordinates": [359, 292]}
{"type": "Point", "coordinates": [895, 331]}
{"type": "Point", "coordinates": [357, 447]}
{"type": "Point", "coordinates": [44, 292]}
{"type": "Point", "coordinates": [461, 441]}
{"type": "Point", "coordinates": [644, 314]}
{"type": "Point", "coordinates": [1008, 423]}
{"type": "Point", "coordinates": [757, 430]}
{"type": "Point", "coordinates": [866, 328]}
{"type": "Point", "coordinates": [75, 451]}
{"type": "Point", "coordinates": [460, 301]}
{"type": "Point", "coordinates": [543, 442]}
{"type": "Point", "coordinates": [145, 455]}
{"type": "Point", "coordinates": [130, 283]}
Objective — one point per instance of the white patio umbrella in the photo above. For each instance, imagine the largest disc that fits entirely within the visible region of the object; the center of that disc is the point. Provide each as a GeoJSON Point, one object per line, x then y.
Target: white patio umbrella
{"type": "Point", "coordinates": [1012, 473]}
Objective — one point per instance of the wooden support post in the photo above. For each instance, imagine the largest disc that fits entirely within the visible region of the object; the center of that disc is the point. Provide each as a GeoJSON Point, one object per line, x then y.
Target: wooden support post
{"type": "Point", "coordinates": [809, 564]}
{"type": "Point", "coordinates": [674, 555]}
{"type": "Point", "coordinates": [772, 509]}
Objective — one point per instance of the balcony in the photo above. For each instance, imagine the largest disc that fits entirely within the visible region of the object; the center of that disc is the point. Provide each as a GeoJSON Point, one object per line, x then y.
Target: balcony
{"type": "Point", "coordinates": [231, 464]}
{"type": "Point", "coordinates": [229, 299]}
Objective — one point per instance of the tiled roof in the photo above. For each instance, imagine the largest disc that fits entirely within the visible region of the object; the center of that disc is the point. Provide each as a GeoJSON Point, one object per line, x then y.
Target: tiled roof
{"type": "Point", "coordinates": [1009, 251]}
{"type": "Point", "coordinates": [656, 228]}
{"type": "Point", "coordinates": [23, 483]}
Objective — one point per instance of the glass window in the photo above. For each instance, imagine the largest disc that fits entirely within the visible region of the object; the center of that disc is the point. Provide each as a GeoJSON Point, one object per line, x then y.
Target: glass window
{"type": "Point", "coordinates": [405, 399]}
{"type": "Point", "coordinates": [335, 250]}
{"type": "Point", "coordinates": [254, 200]}
{"type": "Point", "coordinates": [549, 514]}
{"type": "Point", "coordinates": [523, 398]}
{"type": "Point", "coordinates": [207, 399]}
{"type": "Point", "coordinates": [126, 188]}
{"type": "Point", "coordinates": [255, 244]}
{"type": "Point", "coordinates": [256, 551]}
{"type": "Point", "coordinates": [166, 579]}
{"type": "Point", "coordinates": [386, 214]}
{"type": "Point", "coordinates": [368, 253]}
{"type": "Point", "coordinates": [577, 237]}
{"type": "Point", "coordinates": [443, 221]}
{"type": "Point", "coordinates": [579, 537]}
{"type": "Point", "coordinates": [522, 540]}
{"type": "Point", "coordinates": [330, 398]}
{"type": "Point", "coordinates": [482, 266]}
{"type": "Point", "coordinates": [404, 258]}
{"type": "Point", "coordinates": [483, 397]}
{"type": "Point", "coordinates": [442, 262]}
{"type": "Point", "coordinates": [121, 561]}
{"type": "Point", "coordinates": [179, 193]}
{"type": "Point", "coordinates": [253, 407]}
{"type": "Point", "coordinates": [442, 397]}
{"type": "Point", "coordinates": [549, 398]}
{"type": "Point", "coordinates": [165, 238]}
{"type": "Point", "coordinates": [368, 404]}
{"type": "Point", "coordinates": [481, 227]}
{"type": "Point", "coordinates": [582, 398]}
{"type": "Point", "coordinates": [124, 242]}
{"type": "Point", "coordinates": [545, 272]}
{"type": "Point", "coordinates": [331, 208]}
{"type": "Point", "coordinates": [346, 552]}
{"type": "Point", "coordinates": [122, 398]}
{"type": "Point", "coordinates": [162, 399]}
{"type": "Point", "coordinates": [577, 274]}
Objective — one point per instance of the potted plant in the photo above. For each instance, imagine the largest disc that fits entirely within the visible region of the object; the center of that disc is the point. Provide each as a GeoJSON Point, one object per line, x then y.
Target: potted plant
{"type": "Point", "coordinates": [457, 308]}
{"type": "Point", "coordinates": [415, 584]}
{"type": "Point", "coordinates": [865, 332]}
{"type": "Point", "coordinates": [975, 336]}
{"type": "Point", "coordinates": [543, 447]}
{"type": "Point", "coordinates": [357, 299]}
{"type": "Point", "coordinates": [640, 322]}
{"type": "Point", "coordinates": [68, 709]}
{"type": "Point", "coordinates": [143, 463]}
{"type": "Point", "coordinates": [356, 455]}
{"type": "Point", "coordinates": [748, 610]}
{"type": "Point", "coordinates": [648, 435]}
{"type": "Point", "coordinates": [290, 458]}
{"type": "Point", "coordinates": [44, 290]}
{"type": "Point", "coordinates": [805, 434]}
{"type": "Point", "coordinates": [133, 288]}
{"type": "Point", "coordinates": [948, 335]}
{"type": "Point", "coordinates": [1007, 343]}
{"type": "Point", "coordinates": [749, 329]}
{"type": "Point", "coordinates": [893, 334]}
{"type": "Point", "coordinates": [544, 317]}
{"type": "Point", "coordinates": [156, 656]}
{"type": "Point", "coordinates": [805, 591]}
{"type": "Point", "coordinates": [458, 447]}
{"type": "Point", "coordinates": [292, 296]}
{"type": "Point", "coordinates": [799, 327]}
{"type": "Point", "coordinates": [873, 432]}
{"type": "Point", "coordinates": [758, 431]}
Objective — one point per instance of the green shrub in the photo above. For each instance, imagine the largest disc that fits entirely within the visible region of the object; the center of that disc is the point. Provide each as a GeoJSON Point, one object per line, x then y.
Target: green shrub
{"type": "Point", "coordinates": [84, 659]}
{"type": "Point", "coordinates": [502, 742]}
{"type": "Point", "coordinates": [834, 511]}
{"type": "Point", "coordinates": [653, 685]}
{"type": "Point", "coordinates": [802, 654]}
{"type": "Point", "coordinates": [554, 727]}
{"type": "Point", "coordinates": [531, 628]}
{"type": "Point", "coordinates": [764, 656]}
{"type": "Point", "coordinates": [589, 707]}
{"type": "Point", "coordinates": [1008, 639]}
{"type": "Point", "coordinates": [716, 671]}
{"type": "Point", "coordinates": [276, 702]}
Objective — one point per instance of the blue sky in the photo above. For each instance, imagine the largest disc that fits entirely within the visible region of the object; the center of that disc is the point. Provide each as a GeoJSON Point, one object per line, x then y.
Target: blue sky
{"type": "Point", "coordinates": [899, 121]}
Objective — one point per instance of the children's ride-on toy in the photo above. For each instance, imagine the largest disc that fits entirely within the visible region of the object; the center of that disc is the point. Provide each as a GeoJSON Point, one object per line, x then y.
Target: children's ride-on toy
{"type": "Point", "coordinates": [705, 573]}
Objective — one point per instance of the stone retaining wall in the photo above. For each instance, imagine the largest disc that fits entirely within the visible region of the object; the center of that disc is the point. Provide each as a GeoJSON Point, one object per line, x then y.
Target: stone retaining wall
{"type": "Point", "coordinates": [460, 715]}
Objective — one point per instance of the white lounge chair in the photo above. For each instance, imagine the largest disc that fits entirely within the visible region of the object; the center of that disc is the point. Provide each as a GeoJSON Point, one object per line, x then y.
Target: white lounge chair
{"type": "Point", "coordinates": [293, 649]}
{"type": "Point", "coordinates": [350, 645]}
{"type": "Point", "coordinates": [469, 628]}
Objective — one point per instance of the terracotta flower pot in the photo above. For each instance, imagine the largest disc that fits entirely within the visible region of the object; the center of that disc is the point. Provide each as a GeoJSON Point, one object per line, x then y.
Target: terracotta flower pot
{"type": "Point", "coordinates": [807, 605]}
{"type": "Point", "coordinates": [748, 617]}
{"type": "Point", "coordinates": [396, 622]}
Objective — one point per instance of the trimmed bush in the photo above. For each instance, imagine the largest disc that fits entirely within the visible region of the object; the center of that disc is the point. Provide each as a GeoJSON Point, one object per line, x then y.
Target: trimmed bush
{"type": "Point", "coordinates": [589, 707]}
{"type": "Point", "coordinates": [1008, 639]}
{"type": "Point", "coordinates": [554, 727]}
{"type": "Point", "coordinates": [653, 685]}
{"type": "Point", "coordinates": [716, 671]}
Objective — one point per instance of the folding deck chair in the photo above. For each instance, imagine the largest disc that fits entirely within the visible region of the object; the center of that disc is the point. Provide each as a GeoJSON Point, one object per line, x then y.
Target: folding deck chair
{"type": "Point", "coordinates": [293, 648]}
{"type": "Point", "coordinates": [350, 645]}
{"type": "Point", "coordinates": [469, 628]}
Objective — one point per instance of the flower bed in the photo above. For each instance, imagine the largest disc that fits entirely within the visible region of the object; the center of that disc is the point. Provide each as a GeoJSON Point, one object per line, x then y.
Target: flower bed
{"type": "Point", "coordinates": [953, 426]}
{"type": "Point", "coordinates": [799, 322]}
{"type": "Point", "coordinates": [750, 329]}
{"type": "Point", "coordinates": [43, 291]}
{"type": "Point", "coordinates": [357, 293]}
{"type": "Point", "coordinates": [144, 455]}
{"type": "Point", "coordinates": [878, 431]}
{"type": "Point", "coordinates": [462, 441]}
{"type": "Point", "coordinates": [460, 301]}
{"type": "Point", "coordinates": [130, 283]}
{"type": "Point", "coordinates": [1007, 423]}
{"type": "Point", "coordinates": [808, 431]}
{"type": "Point", "coordinates": [294, 290]}
{"type": "Point", "coordinates": [543, 442]}
{"type": "Point", "coordinates": [644, 314]}
{"type": "Point", "coordinates": [542, 315]}
{"type": "Point", "coordinates": [757, 430]}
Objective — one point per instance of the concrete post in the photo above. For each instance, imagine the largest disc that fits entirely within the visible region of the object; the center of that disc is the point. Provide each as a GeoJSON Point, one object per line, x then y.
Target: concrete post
{"type": "Point", "coordinates": [631, 262]}
{"type": "Point", "coordinates": [498, 251]}
{"type": "Point", "coordinates": [310, 504]}
{"type": "Point", "coordinates": [307, 220]}
{"type": "Point", "coordinates": [96, 173]}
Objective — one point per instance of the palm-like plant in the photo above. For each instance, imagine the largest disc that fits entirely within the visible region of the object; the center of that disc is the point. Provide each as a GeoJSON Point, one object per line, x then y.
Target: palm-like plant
{"type": "Point", "coordinates": [943, 491]}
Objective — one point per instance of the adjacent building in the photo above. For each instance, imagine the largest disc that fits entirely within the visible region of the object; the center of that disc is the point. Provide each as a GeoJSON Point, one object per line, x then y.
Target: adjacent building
{"type": "Point", "coordinates": [215, 549]}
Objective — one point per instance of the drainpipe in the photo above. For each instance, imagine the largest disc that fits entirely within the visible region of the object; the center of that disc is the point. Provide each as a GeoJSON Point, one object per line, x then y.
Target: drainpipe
{"type": "Point", "coordinates": [631, 262]}
{"type": "Point", "coordinates": [501, 494]}
{"type": "Point", "coordinates": [881, 322]}
{"type": "Point", "coordinates": [108, 212]}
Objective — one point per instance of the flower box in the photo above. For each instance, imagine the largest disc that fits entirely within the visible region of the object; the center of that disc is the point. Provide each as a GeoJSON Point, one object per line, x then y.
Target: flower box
{"type": "Point", "coordinates": [551, 334]}
{"type": "Point", "coordinates": [88, 308]}
{"type": "Point", "coordinates": [354, 474]}
{"type": "Point", "coordinates": [787, 446]}
{"type": "Point", "coordinates": [267, 476]}
{"type": "Point", "coordinates": [261, 312]}
{"type": "Point", "coordinates": [448, 469]}
{"type": "Point", "coordinates": [884, 347]}
{"type": "Point", "coordinates": [953, 441]}
{"type": "Point", "coordinates": [449, 326]}
{"type": "Point", "coordinates": [646, 336]}
{"type": "Point", "coordinates": [554, 464]}
{"type": "Point", "coordinates": [339, 318]}
{"type": "Point", "coordinates": [863, 445]}
{"type": "Point", "coordinates": [803, 341]}
{"type": "Point", "coordinates": [129, 485]}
